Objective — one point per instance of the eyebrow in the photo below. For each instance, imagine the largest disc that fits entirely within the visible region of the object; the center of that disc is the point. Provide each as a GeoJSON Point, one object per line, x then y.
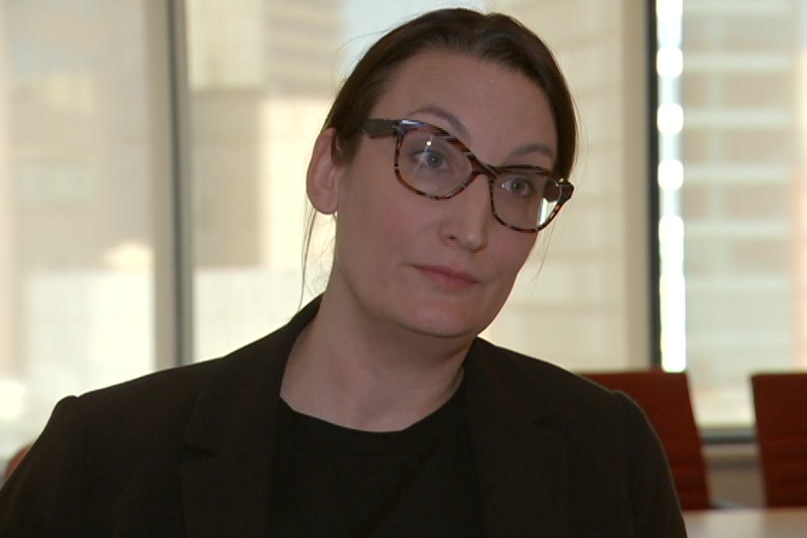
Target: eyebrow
{"type": "Point", "coordinates": [526, 149]}
{"type": "Point", "coordinates": [458, 127]}
{"type": "Point", "coordinates": [456, 124]}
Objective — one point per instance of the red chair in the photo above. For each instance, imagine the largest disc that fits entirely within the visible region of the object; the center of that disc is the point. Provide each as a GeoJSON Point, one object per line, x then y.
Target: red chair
{"type": "Point", "coordinates": [664, 397]}
{"type": "Point", "coordinates": [780, 403]}
{"type": "Point", "coordinates": [15, 460]}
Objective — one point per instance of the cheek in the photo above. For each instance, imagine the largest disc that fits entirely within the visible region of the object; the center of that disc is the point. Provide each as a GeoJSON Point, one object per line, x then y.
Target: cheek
{"type": "Point", "coordinates": [512, 250]}
{"type": "Point", "coordinates": [376, 215]}
{"type": "Point", "coordinates": [393, 214]}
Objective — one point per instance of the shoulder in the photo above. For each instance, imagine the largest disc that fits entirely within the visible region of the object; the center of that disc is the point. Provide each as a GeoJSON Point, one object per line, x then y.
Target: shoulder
{"type": "Point", "coordinates": [172, 393]}
{"type": "Point", "coordinates": [162, 403]}
{"type": "Point", "coordinates": [261, 360]}
{"type": "Point", "coordinates": [538, 376]}
{"type": "Point", "coordinates": [568, 402]}
{"type": "Point", "coordinates": [605, 434]}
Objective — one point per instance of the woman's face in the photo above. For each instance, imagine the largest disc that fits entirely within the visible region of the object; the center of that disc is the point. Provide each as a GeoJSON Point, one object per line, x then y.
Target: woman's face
{"type": "Point", "coordinates": [444, 268]}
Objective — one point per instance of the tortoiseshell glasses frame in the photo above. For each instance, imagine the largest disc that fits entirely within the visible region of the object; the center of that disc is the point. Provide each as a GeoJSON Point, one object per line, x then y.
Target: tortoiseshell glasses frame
{"type": "Point", "coordinates": [437, 165]}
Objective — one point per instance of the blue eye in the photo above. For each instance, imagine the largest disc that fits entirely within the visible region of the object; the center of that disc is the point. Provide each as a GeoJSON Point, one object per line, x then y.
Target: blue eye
{"type": "Point", "coordinates": [520, 186]}
{"type": "Point", "coordinates": [431, 158]}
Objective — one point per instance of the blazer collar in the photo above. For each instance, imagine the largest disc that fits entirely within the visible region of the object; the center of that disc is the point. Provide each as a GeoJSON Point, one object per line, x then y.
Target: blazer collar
{"type": "Point", "coordinates": [521, 459]}
{"type": "Point", "coordinates": [228, 441]}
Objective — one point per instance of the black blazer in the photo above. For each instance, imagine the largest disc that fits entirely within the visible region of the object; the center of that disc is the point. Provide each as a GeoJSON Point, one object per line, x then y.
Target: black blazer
{"type": "Point", "coordinates": [187, 453]}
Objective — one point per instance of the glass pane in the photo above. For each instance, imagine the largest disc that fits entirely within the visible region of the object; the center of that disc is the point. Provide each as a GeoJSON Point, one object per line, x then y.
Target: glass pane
{"type": "Point", "coordinates": [733, 196]}
{"type": "Point", "coordinates": [76, 172]}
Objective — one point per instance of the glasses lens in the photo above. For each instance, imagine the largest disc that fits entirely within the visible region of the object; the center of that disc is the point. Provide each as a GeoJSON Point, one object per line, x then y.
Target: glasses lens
{"type": "Point", "coordinates": [525, 198]}
{"type": "Point", "coordinates": [431, 164]}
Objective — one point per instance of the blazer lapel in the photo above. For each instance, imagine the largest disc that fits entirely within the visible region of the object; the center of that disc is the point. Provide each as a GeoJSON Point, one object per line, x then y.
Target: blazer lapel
{"type": "Point", "coordinates": [521, 459]}
{"type": "Point", "coordinates": [230, 436]}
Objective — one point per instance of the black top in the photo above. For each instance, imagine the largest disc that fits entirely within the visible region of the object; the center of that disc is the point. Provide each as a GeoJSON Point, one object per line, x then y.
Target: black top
{"type": "Point", "coordinates": [332, 481]}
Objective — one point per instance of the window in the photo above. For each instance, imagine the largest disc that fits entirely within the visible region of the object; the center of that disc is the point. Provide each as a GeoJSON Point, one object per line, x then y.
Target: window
{"type": "Point", "coordinates": [82, 145]}
{"type": "Point", "coordinates": [733, 140]}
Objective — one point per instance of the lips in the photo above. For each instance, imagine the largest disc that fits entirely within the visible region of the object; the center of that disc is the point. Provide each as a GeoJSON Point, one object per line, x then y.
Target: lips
{"type": "Point", "coordinates": [448, 277]}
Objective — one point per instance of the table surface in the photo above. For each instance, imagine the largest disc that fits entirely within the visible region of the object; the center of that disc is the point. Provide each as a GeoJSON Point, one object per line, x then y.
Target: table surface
{"type": "Point", "coordinates": [747, 523]}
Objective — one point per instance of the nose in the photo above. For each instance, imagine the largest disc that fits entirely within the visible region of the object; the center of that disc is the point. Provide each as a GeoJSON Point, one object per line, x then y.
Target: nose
{"type": "Point", "coordinates": [468, 216]}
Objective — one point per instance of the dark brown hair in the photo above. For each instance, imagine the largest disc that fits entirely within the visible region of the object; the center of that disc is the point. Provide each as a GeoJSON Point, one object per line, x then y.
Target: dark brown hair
{"type": "Point", "coordinates": [493, 36]}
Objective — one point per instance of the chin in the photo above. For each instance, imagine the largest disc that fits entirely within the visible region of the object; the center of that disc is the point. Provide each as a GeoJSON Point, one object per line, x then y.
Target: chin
{"type": "Point", "coordinates": [446, 322]}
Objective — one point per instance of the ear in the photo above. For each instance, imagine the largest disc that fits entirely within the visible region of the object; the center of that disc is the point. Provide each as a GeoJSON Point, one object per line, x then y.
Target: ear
{"type": "Point", "coordinates": [324, 174]}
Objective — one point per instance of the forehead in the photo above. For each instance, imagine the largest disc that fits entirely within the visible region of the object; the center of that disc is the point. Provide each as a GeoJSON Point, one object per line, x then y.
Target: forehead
{"type": "Point", "coordinates": [489, 99]}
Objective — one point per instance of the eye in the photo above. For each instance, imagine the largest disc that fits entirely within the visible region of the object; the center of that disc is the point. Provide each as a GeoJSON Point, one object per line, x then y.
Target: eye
{"type": "Point", "coordinates": [432, 155]}
{"type": "Point", "coordinates": [431, 158]}
{"type": "Point", "coordinates": [521, 186]}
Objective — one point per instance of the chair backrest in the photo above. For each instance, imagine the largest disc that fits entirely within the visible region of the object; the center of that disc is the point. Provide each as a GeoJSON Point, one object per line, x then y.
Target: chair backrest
{"type": "Point", "coordinates": [780, 403]}
{"type": "Point", "coordinates": [15, 460]}
{"type": "Point", "coordinates": [665, 399]}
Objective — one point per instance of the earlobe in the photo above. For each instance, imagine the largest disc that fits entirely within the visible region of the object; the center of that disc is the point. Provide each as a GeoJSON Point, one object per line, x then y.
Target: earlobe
{"type": "Point", "coordinates": [324, 172]}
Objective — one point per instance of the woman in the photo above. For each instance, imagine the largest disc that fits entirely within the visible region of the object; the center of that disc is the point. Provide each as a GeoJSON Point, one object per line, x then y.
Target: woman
{"type": "Point", "coordinates": [377, 411]}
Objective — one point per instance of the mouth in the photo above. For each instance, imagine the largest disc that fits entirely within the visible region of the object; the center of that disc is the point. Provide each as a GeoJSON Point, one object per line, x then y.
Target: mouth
{"type": "Point", "coordinates": [446, 277]}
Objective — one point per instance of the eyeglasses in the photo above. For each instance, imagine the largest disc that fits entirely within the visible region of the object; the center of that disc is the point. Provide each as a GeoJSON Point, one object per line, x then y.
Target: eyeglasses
{"type": "Point", "coordinates": [433, 163]}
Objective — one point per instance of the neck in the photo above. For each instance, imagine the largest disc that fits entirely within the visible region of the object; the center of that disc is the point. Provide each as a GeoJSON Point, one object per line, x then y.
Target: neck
{"type": "Point", "coordinates": [369, 380]}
